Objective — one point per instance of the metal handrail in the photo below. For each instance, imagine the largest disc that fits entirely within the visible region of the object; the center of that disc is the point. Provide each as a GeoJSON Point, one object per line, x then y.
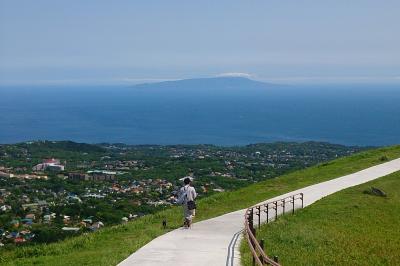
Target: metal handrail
{"type": "Point", "coordinates": [257, 248]}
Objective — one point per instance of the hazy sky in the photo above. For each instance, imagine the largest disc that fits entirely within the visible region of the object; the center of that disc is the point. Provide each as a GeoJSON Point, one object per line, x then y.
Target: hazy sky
{"type": "Point", "coordinates": [131, 41]}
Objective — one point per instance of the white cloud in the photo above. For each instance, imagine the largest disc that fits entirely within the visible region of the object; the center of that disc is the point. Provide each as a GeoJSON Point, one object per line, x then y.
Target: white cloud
{"type": "Point", "coordinates": [235, 74]}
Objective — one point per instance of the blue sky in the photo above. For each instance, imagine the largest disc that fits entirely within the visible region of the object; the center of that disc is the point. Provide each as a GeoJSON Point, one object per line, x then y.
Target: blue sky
{"type": "Point", "coordinates": [106, 42]}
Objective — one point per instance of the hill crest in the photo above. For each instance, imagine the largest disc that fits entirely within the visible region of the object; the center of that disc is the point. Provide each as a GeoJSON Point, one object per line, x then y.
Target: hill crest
{"type": "Point", "coordinates": [214, 82]}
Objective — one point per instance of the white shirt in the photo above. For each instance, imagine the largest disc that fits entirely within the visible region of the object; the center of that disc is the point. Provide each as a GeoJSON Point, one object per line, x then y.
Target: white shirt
{"type": "Point", "coordinates": [190, 193]}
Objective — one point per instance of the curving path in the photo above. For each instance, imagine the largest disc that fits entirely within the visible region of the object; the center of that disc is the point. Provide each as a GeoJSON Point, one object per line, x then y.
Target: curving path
{"type": "Point", "coordinates": [213, 242]}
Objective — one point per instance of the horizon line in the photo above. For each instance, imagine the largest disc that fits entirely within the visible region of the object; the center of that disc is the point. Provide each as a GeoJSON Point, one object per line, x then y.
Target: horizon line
{"type": "Point", "coordinates": [292, 80]}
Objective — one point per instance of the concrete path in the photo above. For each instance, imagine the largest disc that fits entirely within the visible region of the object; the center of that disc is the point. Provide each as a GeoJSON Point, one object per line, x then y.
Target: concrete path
{"type": "Point", "coordinates": [214, 242]}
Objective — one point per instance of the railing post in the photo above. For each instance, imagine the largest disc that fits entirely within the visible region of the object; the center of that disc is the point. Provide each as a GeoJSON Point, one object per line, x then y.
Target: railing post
{"type": "Point", "coordinates": [253, 231]}
{"type": "Point", "coordinates": [293, 204]}
{"type": "Point", "coordinates": [267, 212]}
{"type": "Point", "coordinates": [276, 210]}
{"type": "Point", "coordinates": [251, 218]}
{"type": "Point", "coordinates": [283, 205]}
{"type": "Point", "coordinates": [302, 200]}
{"type": "Point", "coordinates": [259, 216]}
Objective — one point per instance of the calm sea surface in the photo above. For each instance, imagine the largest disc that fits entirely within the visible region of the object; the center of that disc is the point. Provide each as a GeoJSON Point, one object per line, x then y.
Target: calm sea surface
{"type": "Point", "coordinates": [356, 115]}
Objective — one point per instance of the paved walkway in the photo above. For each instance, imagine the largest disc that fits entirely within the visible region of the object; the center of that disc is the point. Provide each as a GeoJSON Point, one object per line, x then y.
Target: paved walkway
{"type": "Point", "coordinates": [215, 241]}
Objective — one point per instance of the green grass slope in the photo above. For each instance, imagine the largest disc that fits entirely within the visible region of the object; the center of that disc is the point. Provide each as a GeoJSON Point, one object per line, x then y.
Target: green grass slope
{"type": "Point", "coordinates": [349, 227]}
{"type": "Point", "coordinates": [111, 245]}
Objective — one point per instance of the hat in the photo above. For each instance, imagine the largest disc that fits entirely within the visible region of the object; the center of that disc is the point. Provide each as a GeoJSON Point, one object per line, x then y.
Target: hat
{"type": "Point", "coordinates": [183, 178]}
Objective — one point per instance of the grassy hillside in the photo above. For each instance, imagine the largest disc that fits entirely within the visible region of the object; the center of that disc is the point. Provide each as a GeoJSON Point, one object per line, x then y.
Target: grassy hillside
{"type": "Point", "coordinates": [111, 245]}
{"type": "Point", "coordinates": [347, 228]}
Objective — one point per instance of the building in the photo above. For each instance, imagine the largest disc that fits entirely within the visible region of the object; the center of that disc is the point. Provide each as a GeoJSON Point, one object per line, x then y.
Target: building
{"type": "Point", "coordinates": [7, 175]}
{"type": "Point", "coordinates": [78, 176]}
{"type": "Point", "coordinates": [49, 164]}
{"type": "Point", "coordinates": [40, 204]}
{"type": "Point", "coordinates": [95, 175]}
{"type": "Point", "coordinates": [101, 175]}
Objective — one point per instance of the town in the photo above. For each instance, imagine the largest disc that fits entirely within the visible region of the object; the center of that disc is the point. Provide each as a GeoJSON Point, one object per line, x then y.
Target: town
{"type": "Point", "coordinates": [52, 190]}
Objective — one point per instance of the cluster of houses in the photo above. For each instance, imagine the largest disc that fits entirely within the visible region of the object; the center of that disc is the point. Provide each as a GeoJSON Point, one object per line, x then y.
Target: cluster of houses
{"type": "Point", "coordinates": [37, 211]}
{"type": "Point", "coordinates": [15, 236]}
{"type": "Point", "coordinates": [137, 188]}
{"type": "Point", "coordinates": [86, 223]}
{"type": "Point", "coordinates": [18, 230]}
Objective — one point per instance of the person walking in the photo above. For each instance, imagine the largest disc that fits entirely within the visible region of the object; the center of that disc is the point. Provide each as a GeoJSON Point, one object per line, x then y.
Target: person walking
{"type": "Point", "coordinates": [187, 196]}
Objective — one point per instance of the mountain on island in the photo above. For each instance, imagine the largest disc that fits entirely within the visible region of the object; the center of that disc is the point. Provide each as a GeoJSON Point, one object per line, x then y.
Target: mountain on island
{"type": "Point", "coordinates": [220, 83]}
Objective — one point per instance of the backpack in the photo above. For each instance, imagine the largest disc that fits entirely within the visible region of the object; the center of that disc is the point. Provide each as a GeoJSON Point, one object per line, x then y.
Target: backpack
{"type": "Point", "coordinates": [181, 198]}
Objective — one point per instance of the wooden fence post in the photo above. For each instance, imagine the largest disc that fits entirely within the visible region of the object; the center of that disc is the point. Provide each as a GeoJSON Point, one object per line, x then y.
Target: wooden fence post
{"type": "Point", "coordinates": [293, 204]}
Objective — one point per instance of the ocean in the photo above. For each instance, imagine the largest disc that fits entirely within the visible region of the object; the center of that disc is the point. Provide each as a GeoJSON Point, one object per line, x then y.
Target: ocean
{"type": "Point", "coordinates": [367, 115]}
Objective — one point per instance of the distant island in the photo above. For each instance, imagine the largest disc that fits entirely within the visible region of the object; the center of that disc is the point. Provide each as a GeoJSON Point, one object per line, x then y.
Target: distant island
{"type": "Point", "coordinates": [215, 83]}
